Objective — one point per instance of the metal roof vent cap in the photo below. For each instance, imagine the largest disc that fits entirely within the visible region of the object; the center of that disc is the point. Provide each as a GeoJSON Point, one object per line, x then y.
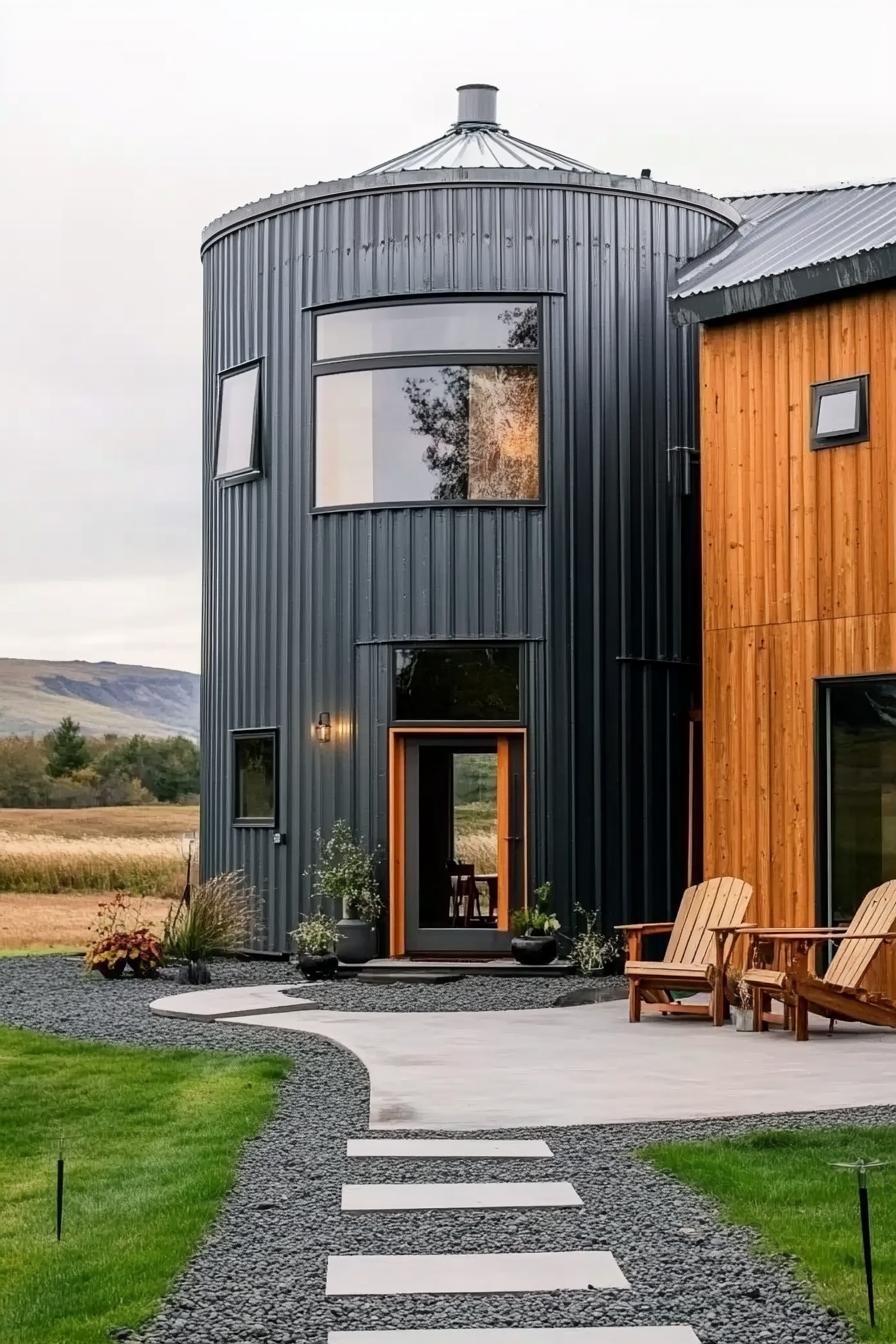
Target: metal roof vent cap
{"type": "Point", "coordinates": [477, 105]}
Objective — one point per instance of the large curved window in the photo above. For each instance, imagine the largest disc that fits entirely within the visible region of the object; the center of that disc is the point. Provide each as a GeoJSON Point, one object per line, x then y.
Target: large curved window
{"type": "Point", "coordinates": [429, 401]}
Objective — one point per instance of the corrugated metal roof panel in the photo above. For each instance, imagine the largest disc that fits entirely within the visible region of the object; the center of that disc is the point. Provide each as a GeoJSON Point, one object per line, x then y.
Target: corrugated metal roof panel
{"type": "Point", "coordinates": [479, 147]}
{"type": "Point", "coordinates": [817, 233]}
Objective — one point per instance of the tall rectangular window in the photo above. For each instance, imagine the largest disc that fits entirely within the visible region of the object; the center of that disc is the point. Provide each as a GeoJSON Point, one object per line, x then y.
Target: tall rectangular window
{"type": "Point", "coordinates": [857, 828]}
{"type": "Point", "coordinates": [237, 440]}
{"type": "Point", "coordinates": [255, 777]}
{"type": "Point", "coordinates": [393, 429]}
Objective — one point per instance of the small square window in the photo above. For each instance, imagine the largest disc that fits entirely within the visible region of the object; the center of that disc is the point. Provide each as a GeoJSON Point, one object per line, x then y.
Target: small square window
{"type": "Point", "coordinates": [236, 452]}
{"type": "Point", "coordinates": [255, 777]}
{"type": "Point", "coordinates": [840, 412]}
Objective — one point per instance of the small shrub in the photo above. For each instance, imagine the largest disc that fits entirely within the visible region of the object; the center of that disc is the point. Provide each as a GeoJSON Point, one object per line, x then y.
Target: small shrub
{"type": "Point", "coordinates": [591, 951]}
{"type": "Point", "coordinates": [316, 934]}
{"type": "Point", "coordinates": [739, 992]}
{"type": "Point", "coordinates": [123, 940]}
{"type": "Point", "coordinates": [345, 874]}
{"type": "Point", "coordinates": [220, 918]}
{"type": "Point", "coordinates": [537, 919]}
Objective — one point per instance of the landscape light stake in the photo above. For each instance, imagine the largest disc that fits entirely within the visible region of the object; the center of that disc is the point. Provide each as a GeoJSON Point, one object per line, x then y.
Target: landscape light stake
{"type": "Point", "coordinates": [861, 1167]}
{"type": "Point", "coordinates": [60, 1184]}
{"type": "Point", "coordinates": [187, 844]}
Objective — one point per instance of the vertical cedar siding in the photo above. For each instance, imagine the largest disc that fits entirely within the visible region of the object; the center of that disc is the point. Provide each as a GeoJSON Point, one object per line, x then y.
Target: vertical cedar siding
{"type": "Point", "coordinates": [798, 576]}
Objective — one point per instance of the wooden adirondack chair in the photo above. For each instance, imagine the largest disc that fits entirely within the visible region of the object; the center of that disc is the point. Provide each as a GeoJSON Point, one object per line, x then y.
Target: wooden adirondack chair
{"type": "Point", "coordinates": [837, 994]}
{"type": "Point", "coordinates": [701, 941]}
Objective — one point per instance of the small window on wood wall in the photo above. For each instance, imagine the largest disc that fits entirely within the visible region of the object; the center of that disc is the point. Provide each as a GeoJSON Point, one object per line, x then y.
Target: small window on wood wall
{"type": "Point", "coordinates": [840, 412]}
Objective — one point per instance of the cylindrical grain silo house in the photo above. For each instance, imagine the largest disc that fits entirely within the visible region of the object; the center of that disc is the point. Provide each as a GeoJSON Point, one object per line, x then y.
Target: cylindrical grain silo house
{"type": "Point", "coordinates": [450, 586]}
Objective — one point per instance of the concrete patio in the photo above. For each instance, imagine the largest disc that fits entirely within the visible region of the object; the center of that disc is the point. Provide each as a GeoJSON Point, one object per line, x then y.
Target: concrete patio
{"type": "Point", "coordinates": [589, 1065]}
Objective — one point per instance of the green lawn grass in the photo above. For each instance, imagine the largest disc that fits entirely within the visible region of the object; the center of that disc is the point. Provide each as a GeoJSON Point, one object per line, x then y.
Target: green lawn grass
{"type": "Point", "coordinates": [151, 1142]}
{"type": "Point", "coordinates": [780, 1183]}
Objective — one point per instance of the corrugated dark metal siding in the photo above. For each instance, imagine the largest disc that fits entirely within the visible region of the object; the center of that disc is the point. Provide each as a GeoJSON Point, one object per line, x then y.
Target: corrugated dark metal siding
{"type": "Point", "coordinates": [299, 609]}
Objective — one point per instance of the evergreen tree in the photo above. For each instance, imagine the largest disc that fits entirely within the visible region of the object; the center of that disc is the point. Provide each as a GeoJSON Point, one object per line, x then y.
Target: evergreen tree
{"type": "Point", "coordinates": [66, 749]}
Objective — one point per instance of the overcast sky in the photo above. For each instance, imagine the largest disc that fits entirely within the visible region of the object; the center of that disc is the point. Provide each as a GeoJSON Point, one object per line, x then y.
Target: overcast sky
{"type": "Point", "coordinates": [126, 127]}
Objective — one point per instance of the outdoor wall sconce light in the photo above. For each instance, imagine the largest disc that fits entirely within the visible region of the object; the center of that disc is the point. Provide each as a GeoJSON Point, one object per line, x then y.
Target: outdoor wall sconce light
{"type": "Point", "coordinates": [322, 728]}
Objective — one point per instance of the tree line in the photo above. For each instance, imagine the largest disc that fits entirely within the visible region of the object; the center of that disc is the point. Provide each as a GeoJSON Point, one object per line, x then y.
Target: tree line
{"type": "Point", "coordinates": [67, 769]}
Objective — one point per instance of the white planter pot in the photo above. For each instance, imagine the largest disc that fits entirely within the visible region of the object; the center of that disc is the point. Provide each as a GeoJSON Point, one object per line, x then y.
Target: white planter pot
{"type": "Point", "coordinates": [742, 1019]}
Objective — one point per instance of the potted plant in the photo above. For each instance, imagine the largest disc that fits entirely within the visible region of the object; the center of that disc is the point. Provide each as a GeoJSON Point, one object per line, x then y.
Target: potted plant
{"type": "Point", "coordinates": [345, 877]}
{"type": "Point", "coordinates": [315, 940]}
{"type": "Point", "coordinates": [591, 951]}
{"type": "Point", "coordinates": [123, 941]}
{"type": "Point", "coordinates": [534, 929]}
{"type": "Point", "coordinates": [219, 917]}
{"type": "Point", "coordinates": [740, 996]}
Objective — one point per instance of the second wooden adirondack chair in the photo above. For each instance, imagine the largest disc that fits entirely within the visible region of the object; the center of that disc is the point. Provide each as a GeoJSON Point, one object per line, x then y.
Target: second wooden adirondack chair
{"type": "Point", "coordinates": [701, 940]}
{"type": "Point", "coordinates": [838, 994]}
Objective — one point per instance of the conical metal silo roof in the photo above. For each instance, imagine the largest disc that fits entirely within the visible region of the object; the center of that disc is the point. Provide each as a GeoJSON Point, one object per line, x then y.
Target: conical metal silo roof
{"type": "Point", "coordinates": [476, 140]}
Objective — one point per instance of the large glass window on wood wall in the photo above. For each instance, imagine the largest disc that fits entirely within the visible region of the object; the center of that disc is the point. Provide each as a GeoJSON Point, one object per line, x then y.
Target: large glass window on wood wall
{"type": "Point", "coordinates": [858, 791]}
{"type": "Point", "coordinates": [427, 402]}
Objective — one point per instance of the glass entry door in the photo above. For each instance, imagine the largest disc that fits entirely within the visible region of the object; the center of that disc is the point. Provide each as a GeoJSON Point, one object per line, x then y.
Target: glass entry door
{"type": "Point", "coordinates": [464, 841]}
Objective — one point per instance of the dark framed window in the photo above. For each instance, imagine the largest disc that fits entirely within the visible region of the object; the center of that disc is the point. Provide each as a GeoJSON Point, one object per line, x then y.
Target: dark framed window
{"type": "Point", "coordinates": [449, 683]}
{"type": "Point", "coordinates": [255, 777]}
{"type": "Point", "coordinates": [856, 789]}
{"type": "Point", "coordinates": [237, 454]}
{"type": "Point", "coordinates": [427, 403]}
{"type": "Point", "coordinates": [840, 412]}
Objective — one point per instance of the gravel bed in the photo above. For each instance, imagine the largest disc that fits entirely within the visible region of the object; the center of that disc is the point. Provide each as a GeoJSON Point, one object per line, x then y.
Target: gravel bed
{"type": "Point", "coordinates": [260, 1273]}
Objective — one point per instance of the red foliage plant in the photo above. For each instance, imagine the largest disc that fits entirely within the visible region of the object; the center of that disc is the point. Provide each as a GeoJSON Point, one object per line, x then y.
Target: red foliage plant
{"type": "Point", "coordinates": [123, 939]}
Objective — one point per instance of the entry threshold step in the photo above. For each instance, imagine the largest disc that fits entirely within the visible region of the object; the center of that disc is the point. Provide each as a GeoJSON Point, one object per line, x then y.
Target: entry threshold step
{"type": "Point", "coordinates": [459, 1195]}
{"type": "Point", "coordinates": [524, 1272]}
{"type": "Point", "coordinates": [460, 1148]}
{"type": "Point", "coordinates": [581, 1334]}
{"type": "Point", "coordinates": [382, 968]}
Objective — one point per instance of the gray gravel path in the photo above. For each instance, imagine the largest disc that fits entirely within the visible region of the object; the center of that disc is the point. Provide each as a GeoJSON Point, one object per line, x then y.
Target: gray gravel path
{"type": "Point", "coordinates": [260, 1273]}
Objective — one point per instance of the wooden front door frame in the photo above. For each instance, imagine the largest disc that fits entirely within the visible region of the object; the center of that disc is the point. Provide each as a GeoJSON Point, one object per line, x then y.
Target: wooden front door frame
{"type": "Point", "coordinates": [397, 835]}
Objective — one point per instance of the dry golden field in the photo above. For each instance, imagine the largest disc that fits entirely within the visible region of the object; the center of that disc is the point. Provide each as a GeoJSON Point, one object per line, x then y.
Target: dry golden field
{"type": "Point", "coordinates": [57, 865]}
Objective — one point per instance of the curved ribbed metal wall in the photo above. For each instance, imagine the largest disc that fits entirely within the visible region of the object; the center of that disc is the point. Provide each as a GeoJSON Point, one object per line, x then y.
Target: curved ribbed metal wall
{"type": "Point", "coordinates": [300, 608]}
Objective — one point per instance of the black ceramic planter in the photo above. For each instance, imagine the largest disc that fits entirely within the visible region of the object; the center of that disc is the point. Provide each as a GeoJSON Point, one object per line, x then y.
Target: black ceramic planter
{"type": "Point", "coordinates": [357, 941]}
{"type": "Point", "coordinates": [534, 949]}
{"type": "Point", "coordinates": [323, 967]}
{"type": "Point", "coordinates": [194, 973]}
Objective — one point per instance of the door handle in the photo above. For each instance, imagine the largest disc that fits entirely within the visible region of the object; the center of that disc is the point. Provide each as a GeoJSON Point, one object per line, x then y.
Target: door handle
{"type": "Point", "coordinates": [513, 837]}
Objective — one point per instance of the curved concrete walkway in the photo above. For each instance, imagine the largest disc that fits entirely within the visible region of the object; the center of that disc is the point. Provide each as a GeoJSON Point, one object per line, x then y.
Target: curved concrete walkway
{"type": "Point", "coordinates": [588, 1065]}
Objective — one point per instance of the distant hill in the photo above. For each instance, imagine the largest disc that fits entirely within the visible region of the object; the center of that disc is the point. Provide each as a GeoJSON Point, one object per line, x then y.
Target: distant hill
{"type": "Point", "coordinates": [103, 697]}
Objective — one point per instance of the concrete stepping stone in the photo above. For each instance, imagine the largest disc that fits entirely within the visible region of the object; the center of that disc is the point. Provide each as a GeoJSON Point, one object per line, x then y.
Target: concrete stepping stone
{"type": "Point", "coordinates": [583, 1334]}
{"type": "Point", "coordinates": [523, 1272]}
{"type": "Point", "coordinates": [459, 1195]}
{"type": "Point", "coordinates": [209, 1004]}
{"type": "Point", "coordinates": [462, 1148]}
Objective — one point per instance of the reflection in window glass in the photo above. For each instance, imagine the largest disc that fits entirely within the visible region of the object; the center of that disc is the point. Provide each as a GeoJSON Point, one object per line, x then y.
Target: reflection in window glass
{"type": "Point", "coordinates": [254, 769]}
{"type": "Point", "coordinates": [473, 682]}
{"type": "Point", "coordinates": [460, 432]}
{"type": "Point", "coordinates": [427, 326]}
{"type": "Point", "coordinates": [238, 422]}
{"type": "Point", "coordinates": [862, 764]}
{"type": "Point", "coordinates": [838, 412]}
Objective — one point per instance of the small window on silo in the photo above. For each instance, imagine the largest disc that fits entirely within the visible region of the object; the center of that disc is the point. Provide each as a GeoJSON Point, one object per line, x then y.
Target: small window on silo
{"type": "Point", "coordinates": [840, 412]}
{"type": "Point", "coordinates": [255, 777]}
{"type": "Point", "coordinates": [237, 440]}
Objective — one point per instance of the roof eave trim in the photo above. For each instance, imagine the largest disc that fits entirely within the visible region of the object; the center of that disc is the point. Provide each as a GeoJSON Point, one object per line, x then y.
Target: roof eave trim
{"type": "Point", "coordinates": [864, 268]}
{"type": "Point", "coordinates": [420, 179]}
